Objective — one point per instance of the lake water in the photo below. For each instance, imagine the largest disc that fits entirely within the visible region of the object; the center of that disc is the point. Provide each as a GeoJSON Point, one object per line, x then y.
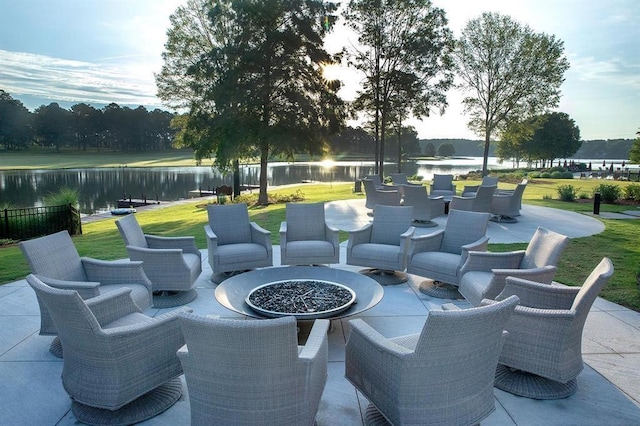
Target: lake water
{"type": "Point", "coordinates": [100, 189]}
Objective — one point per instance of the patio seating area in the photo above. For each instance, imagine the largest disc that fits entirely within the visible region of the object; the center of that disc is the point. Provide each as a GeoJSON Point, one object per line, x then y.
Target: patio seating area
{"type": "Point", "coordinates": [608, 389]}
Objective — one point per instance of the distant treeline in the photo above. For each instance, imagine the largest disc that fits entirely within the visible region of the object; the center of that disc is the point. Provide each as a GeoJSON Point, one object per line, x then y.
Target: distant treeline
{"type": "Point", "coordinates": [594, 149]}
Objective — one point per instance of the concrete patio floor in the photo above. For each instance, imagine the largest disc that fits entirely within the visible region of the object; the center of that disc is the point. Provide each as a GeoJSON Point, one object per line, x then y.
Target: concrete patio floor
{"type": "Point", "coordinates": [608, 389]}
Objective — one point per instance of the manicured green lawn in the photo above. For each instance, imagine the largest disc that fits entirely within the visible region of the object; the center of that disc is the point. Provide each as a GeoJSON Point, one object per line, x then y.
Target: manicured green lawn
{"type": "Point", "coordinates": [619, 241]}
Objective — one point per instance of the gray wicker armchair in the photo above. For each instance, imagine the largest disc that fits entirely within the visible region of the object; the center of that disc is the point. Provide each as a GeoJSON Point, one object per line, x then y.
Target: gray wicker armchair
{"type": "Point", "coordinates": [425, 208]}
{"type": "Point", "coordinates": [440, 255]}
{"type": "Point", "coordinates": [442, 376]}
{"type": "Point", "coordinates": [542, 355]}
{"type": "Point", "coordinates": [252, 372]}
{"type": "Point", "coordinates": [480, 201]}
{"type": "Point", "coordinates": [483, 275]}
{"type": "Point", "coordinates": [233, 242]}
{"type": "Point", "coordinates": [506, 204]}
{"type": "Point", "coordinates": [383, 244]}
{"type": "Point", "coordinates": [173, 264]}
{"type": "Point", "coordinates": [55, 260]}
{"type": "Point", "coordinates": [305, 237]}
{"type": "Point", "coordinates": [120, 366]}
{"type": "Point", "coordinates": [442, 185]}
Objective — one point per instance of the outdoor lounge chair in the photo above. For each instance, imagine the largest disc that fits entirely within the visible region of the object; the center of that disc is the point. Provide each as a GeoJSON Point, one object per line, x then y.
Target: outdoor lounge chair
{"type": "Point", "coordinates": [120, 366]}
{"type": "Point", "coordinates": [401, 179]}
{"type": "Point", "coordinates": [442, 185]}
{"type": "Point", "coordinates": [484, 273]}
{"type": "Point", "coordinates": [506, 204]}
{"type": "Point", "coordinates": [235, 244]}
{"type": "Point", "coordinates": [55, 260]}
{"type": "Point", "coordinates": [252, 372]}
{"type": "Point", "coordinates": [173, 264]}
{"type": "Point", "coordinates": [305, 237]}
{"type": "Point", "coordinates": [542, 355]}
{"type": "Point", "coordinates": [441, 376]}
{"type": "Point", "coordinates": [479, 202]}
{"type": "Point", "coordinates": [470, 190]}
{"type": "Point", "coordinates": [425, 208]}
{"type": "Point", "coordinates": [383, 244]}
{"type": "Point", "coordinates": [389, 195]}
{"type": "Point", "coordinates": [440, 255]}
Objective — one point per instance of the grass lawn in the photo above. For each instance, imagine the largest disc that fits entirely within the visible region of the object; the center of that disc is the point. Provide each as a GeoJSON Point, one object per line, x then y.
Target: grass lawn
{"type": "Point", "coordinates": [619, 241]}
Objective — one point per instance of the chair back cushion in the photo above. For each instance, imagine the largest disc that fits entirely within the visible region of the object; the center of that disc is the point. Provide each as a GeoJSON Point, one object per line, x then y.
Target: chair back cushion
{"type": "Point", "coordinates": [545, 248]}
{"type": "Point", "coordinates": [389, 222]}
{"type": "Point", "coordinates": [54, 256]}
{"type": "Point", "coordinates": [490, 181]}
{"type": "Point", "coordinates": [305, 221]}
{"type": "Point", "coordinates": [591, 288]}
{"type": "Point", "coordinates": [463, 227]}
{"type": "Point", "coordinates": [442, 182]}
{"type": "Point", "coordinates": [230, 223]}
{"type": "Point", "coordinates": [131, 231]}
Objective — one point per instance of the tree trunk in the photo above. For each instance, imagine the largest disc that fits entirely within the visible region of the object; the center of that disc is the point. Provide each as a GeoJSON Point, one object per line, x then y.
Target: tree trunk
{"type": "Point", "coordinates": [485, 159]}
{"type": "Point", "coordinates": [236, 178]}
{"type": "Point", "coordinates": [400, 148]}
{"type": "Point", "coordinates": [263, 198]}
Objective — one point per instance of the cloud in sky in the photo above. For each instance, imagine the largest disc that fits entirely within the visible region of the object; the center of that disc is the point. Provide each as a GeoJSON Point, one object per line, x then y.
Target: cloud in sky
{"type": "Point", "coordinates": [101, 52]}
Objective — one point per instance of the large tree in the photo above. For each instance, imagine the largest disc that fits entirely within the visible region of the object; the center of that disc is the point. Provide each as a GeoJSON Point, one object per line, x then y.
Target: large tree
{"type": "Point", "coordinates": [258, 86]}
{"type": "Point", "coordinates": [16, 128]}
{"type": "Point", "coordinates": [403, 51]}
{"type": "Point", "coordinates": [509, 71]}
{"type": "Point", "coordinates": [634, 153]}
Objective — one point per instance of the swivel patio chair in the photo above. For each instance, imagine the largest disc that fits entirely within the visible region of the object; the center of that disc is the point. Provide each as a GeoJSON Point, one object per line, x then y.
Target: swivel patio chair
{"type": "Point", "coordinates": [235, 244]}
{"type": "Point", "coordinates": [401, 179]}
{"type": "Point", "coordinates": [377, 181]}
{"type": "Point", "coordinates": [120, 366]}
{"type": "Point", "coordinates": [305, 237]}
{"type": "Point", "coordinates": [479, 202]}
{"type": "Point", "coordinates": [484, 273]}
{"type": "Point", "coordinates": [506, 205]}
{"type": "Point", "coordinates": [252, 372]}
{"type": "Point", "coordinates": [442, 185]}
{"type": "Point", "coordinates": [389, 196]}
{"type": "Point", "coordinates": [383, 244]}
{"type": "Point", "coordinates": [425, 208]}
{"type": "Point", "coordinates": [440, 255]}
{"type": "Point", "coordinates": [542, 355]}
{"type": "Point", "coordinates": [173, 264]}
{"type": "Point", "coordinates": [470, 190]}
{"type": "Point", "coordinates": [441, 376]}
{"type": "Point", "coordinates": [54, 260]}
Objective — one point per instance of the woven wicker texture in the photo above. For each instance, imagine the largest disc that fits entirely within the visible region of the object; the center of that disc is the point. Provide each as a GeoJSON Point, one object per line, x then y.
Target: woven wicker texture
{"type": "Point", "coordinates": [442, 376]}
{"type": "Point", "coordinates": [532, 386]}
{"type": "Point", "coordinates": [439, 289]}
{"type": "Point", "coordinates": [442, 186]}
{"type": "Point", "coordinates": [506, 205]}
{"type": "Point", "coordinates": [480, 201]}
{"type": "Point", "coordinates": [171, 299]}
{"type": "Point", "coordinates": [484, 274]}
{"type": "Point", "coordinates": [171, 263]}
{"type": "Point", "coordinates": [252, 372]}
{"type": "Point", "coordinates": [424, 207]}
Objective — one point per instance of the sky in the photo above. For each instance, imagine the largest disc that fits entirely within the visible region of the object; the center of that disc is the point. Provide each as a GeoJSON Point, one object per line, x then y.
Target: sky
{"type": "Point", "coordinates": [103, 51]}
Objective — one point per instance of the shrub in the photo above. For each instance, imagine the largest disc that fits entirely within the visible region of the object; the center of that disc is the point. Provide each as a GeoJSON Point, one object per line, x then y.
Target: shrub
{"type": "Point", "coordinates": [609, 193]}
{"type": "Point", "coordinates": [416, 178]}
{"type": "Point", "coordinates": [547, 197]}
{"type": "Point", "coordinates": [632, 192]}
{"type": "Point", "coordinates": [567, 175]}
{"type": "Point", "coordinates": [583, 196]}
{"type": "Point", "coordinates": [63, 197]}
{"type": "Point", "coordinates": [556, 175]}
{"type": "Point", "coordinates": [567, 192]}
{"type": "Point", "coordinates": [545, 175]}
{"type": "Point", "coordinates": [535, 174]}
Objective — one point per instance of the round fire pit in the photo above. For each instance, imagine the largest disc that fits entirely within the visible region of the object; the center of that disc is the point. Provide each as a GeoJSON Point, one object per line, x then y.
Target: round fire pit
{"type": "Point", "coordinates": [304, 299]}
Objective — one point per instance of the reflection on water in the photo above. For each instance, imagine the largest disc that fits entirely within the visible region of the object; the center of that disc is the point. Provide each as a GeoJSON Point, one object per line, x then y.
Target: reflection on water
{"type": "Point", "coordinates": [101, 188]}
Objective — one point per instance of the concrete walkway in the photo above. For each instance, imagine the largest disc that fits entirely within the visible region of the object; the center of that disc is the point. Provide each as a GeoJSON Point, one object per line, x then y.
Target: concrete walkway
{"type": "Point", "coordinates": [608, 389]}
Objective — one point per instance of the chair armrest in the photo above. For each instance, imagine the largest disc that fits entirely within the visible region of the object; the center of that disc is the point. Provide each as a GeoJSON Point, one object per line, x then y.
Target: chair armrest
{"type": "Point", "coordinates": [148, 328]}
{"type": "Point", "coordinates": [332, 234]}
{"type": "Point", "coordinates": [115, 271]}
{"type": "Point", "coordinates": [158, 259]}
{"type": "Point", "coordinates": [405, 239]}
{"type": "Point", "coordinates": [364, 333]}
{"type": "Point", "coordinates": [212, 239]}
{"type": "Point", "coordinates": [110, 306]}
{"type": "Point", "coordinates": [429, 242]}
{"type": "Point", "coordinates": [461, 203]}
{"type": "Point", "coordinates": [186, 244]}
{"type": "Point", "coordinates": [478, 245]}
{"type": "Point", "coordinates": [316, 341]}
{"type": "Point", "coordinates": [540, 296]}
{"type": "Point", "coordinates": [86, 289]}
{"type": "Point", "coordinates": [487, 260]}
{"type": "Point", "coordinates": [260, 235]}
{"type": "Point", "coordinates": [360, 236]}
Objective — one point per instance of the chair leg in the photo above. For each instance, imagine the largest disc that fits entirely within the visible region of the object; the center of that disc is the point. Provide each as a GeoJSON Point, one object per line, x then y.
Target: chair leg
{"type": "Point", "coordinates": [56, 347]}
{"type": "Point", "coordinates": [373, 417]}
{"type": "Point", "coordinates": [385, 277]}
{"type": "Point", "coordinates": [170, 299]}
{"type": "Point", "coordinates": [531, 385]}
{"type": "Point", "coordinates": [439, 289]}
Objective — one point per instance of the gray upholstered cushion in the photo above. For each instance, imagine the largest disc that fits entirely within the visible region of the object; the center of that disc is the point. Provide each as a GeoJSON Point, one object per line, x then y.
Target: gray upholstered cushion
{"type": "Point", "coordinates": [241, 252]}
{"type": "Point", "coordinates": [230, 223]}
{"type": "Point", "coordinates": [376, 251]}
{"type": "Point", "coordinates": [545, 248]}
{"type": "Point", "coordinates": [309, 249]}
{"type": "Point", "coordinates": [389, 222]}
{"type": "Point", "coordinates": [305, 221]}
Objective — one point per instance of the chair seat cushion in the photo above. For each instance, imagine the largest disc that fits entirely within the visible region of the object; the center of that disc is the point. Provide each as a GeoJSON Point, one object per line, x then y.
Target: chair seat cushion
{"type": "Point", "coordinates": [309, 249]}
{"type": "Point", "coordinates": [441, 263]}
{"type": "Point", "coordinates": [367, 251]}
{"type": "Point", "coordinates": [241, 252]}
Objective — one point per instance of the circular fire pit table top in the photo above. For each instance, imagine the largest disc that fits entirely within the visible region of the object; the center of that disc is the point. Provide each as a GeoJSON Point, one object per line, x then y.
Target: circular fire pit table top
{"type": "Point", "coordinates": [232, 292]}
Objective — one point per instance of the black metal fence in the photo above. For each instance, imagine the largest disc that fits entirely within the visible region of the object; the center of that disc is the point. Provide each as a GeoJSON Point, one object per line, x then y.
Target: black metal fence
{"type": "Point", "coordinates": [31, 222]}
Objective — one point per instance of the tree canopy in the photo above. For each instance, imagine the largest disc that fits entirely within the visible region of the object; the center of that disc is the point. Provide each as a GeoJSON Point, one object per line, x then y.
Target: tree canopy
{"type": "Point", "coordinates": [509, 72]}
{"type": "Point", "coordinates": [256, 83]}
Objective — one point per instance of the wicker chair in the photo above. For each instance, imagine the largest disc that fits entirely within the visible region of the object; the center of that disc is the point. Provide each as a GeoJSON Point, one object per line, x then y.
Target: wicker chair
{"type": "Point", "coordinates": [401, 179]}
{"type": "Point", "coordinates": [377, 182]}
{"type": "Point", "coordinates": [484, 273]}
{"type": "Point", "coordinates": [387, 195]}
{"type": "Point", "coordinates": [252, 372]}
{"type": "Point", "coordinates": [470, 190]}
{"type": "Point", "coordinates": [442, 185]}
{"type": "Point", "coordinates": [233, 242]}
{"type": "Point", "coordinates": [55, 260]}
{"type": "Point", "coordinates": [173, 264]}
{"type": "Point", "coordinates": [479, 202]}
{"type": "Point", "coordinates": [506, 204]}
{"type": "Point", "coordinates": [383, 244]}
{"type": "Point", "coordinates": [425, 208]}
{"type": "Point", "coordinates": [442, 376]}
{"type": "Point", "coordinates": [542, 355]}
{"type": "Point", "coordinates": [120, 366]}
{"type": "Point", "coordinates": [305, 237]}
{"type": "Point", "coordinates": [440, 255]}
